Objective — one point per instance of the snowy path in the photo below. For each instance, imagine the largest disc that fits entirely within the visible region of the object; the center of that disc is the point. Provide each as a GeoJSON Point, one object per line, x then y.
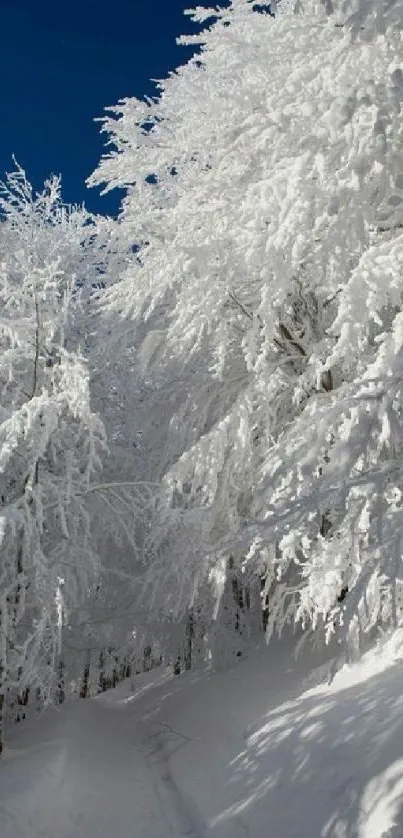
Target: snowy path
{"type": "Point", "coordinates": [98, 777]}
{"type": "Point", "coordinates": [109, 767]}
{"type": "Point", "coordinates": [250, 753]}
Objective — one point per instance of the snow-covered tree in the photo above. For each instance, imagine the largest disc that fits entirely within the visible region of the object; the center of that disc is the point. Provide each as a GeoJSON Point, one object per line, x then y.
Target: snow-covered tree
{"type": "Point", "coordinates": [263, 227]}
{"type": "Point", "coordinates": [51, 441]}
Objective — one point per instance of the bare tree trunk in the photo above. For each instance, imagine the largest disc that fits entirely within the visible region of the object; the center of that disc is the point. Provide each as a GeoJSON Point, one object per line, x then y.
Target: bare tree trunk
{"type": "Point", "coordinates": [102, 679]}
{"type": "Point", "coordinates": [61, 693]}
{"type": "Point", "coordinates": [237, 593]}
{"type": "Point", "coordinates": [85, 684]}
{"type": "Point", "coordinates": [265, 604]}
{"type": "Point", "coordinates": [38, 699]}
{"type": "Point", "coordinates": [125, 669]}
{"type": "Point", "coordinates": [147, 658]}
{"type": "Point", "coordinates": [22, 701]}
{"type": "Point", "coordinates": [115, 670]}
{"type": "Point", "coordinates": [189, 640]}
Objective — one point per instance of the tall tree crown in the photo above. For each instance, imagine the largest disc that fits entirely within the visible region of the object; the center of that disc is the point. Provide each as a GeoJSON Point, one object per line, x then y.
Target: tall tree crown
{"type": "Point", "coordinates": [264, 197]}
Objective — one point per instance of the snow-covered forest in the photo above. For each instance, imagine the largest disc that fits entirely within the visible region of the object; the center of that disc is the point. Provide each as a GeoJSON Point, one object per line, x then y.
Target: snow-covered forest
{"type": "Point", "coordinates": [201, 417]}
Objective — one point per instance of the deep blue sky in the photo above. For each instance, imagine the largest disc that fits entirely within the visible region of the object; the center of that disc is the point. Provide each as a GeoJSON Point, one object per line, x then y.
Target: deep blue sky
{"type": "Point", "coordinates": [63, 62]}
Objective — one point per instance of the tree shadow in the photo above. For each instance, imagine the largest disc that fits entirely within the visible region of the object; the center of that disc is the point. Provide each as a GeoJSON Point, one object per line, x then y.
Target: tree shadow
{"type": "Point", "coordinates": [328, 764]}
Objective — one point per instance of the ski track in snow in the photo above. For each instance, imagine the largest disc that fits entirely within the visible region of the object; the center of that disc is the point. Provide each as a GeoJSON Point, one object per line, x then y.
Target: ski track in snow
{"type": "Point", "coordinates": [249, 753]}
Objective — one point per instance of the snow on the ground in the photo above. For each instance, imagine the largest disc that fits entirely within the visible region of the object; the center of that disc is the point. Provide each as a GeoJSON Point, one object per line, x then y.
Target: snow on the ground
{"type": "Point", "coordinates": [254, 752]}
